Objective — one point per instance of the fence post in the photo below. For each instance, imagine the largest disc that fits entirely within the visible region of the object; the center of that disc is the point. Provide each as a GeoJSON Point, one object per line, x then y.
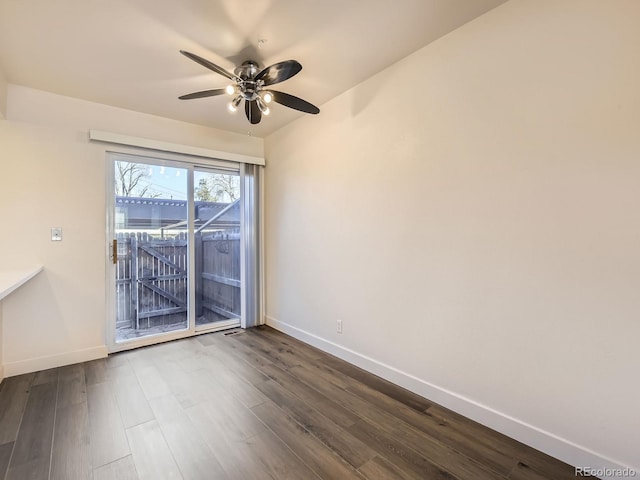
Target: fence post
{"type": "Point", "coordinates": [198, 246]}
{"type": "Point", "coordinates": [134, 280]}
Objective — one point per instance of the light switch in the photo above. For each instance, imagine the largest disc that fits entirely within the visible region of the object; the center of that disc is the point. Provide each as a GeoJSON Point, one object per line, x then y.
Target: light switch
{"type": "Point", "coordinates": [56, 234]}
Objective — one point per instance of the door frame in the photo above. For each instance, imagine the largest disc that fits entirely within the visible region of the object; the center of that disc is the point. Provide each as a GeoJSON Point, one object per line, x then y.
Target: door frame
{"type": "Point", "coordinates": [190, 163]}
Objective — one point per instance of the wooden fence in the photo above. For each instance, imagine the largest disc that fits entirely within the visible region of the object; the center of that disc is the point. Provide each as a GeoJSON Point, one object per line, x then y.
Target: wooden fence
{"type": "Point", "coordinates": [152, 279]}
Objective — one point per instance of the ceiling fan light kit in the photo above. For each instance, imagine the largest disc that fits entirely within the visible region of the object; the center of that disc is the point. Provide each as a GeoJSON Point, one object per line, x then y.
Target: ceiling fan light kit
{"type": "Point", "coordinates": [233, 104]}
{"type": "Point", "coordinates": [250, 85]}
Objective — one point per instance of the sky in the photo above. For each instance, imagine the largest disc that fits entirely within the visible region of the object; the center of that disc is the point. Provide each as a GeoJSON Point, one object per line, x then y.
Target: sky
{"type": "Point", "coordinates": [167, 182]}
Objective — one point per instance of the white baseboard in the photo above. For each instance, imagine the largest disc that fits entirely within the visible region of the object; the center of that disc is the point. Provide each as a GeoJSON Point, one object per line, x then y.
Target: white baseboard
{"type": "Point", "coordinates": [1, 373]}
{"type": "Point", "coordinates": [52, 361]}
{"type": "Point", "coordinates": [537, 438]}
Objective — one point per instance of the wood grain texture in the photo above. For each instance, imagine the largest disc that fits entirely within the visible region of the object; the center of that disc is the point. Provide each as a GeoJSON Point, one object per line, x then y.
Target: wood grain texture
{"type": "Point", "coordinates": [380, 469]}
{"type": "Point", "coordinates": [185, 386]}
{"type": "Point", "coordinates": [95, 371]}
{"type": "Point", "coordinates": [437, 452]}
{"type": "Point", "coordinates": [339, 440]}
{"type": "Point", "coordinates": [326, 360]}
{"type": "Point", "coordinates": [123, 469]}
{"type": "Point", "coordinates": [118, 359]}
{"type": "Point", "coordinates": [412, 464]}
{"type": "Point", "coordinates": [307, 394]}
{"type": "Point", "coordinates": [278, 459]}
{"type": "Point", "coordinates": [256, 404]}
{"type": "Point", "coordinates": [231, 436]}
{"type": "Point", "coordinates": [151, 453]}
{"type": "Point", "coordinates": [71, 454]}
{"type": "Point", "coordinates": [5, 456]}
{"type": "Point", "coordinates": [489, 455]}
{"type": "Point", "coordinates": [32, 450]}
{"type": "Point", "coordinates": [132, 403]}
{"type": "Point", "coordinates": [13, 398]}
{"type": "Point", "coordinates": [152, 383]}
{"type": "Point", "coordinates": [524, 472]}
{"type": "Point", "coordinates": [192, 454]}
{"type": "Point", "coordinates": [534, 459]}
{"type": "Point", "coordinates": [313, 453]}
{"type": "Point", "coordinates": [46, 376]}
{"type": "Point", "coordinates": [72, 388]}
{"type": "Point", "coordinates": [223, 415]}
{"type": "Point", "coordinates": [108, 439]}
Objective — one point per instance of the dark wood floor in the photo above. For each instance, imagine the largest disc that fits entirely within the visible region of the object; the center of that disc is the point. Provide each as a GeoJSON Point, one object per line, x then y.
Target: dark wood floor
{"type": "Point", "coordinates": [249, 405]}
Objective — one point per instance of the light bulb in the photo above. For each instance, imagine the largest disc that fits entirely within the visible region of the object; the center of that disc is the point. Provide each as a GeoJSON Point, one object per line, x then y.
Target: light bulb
{"type": "Point", "coordinates": [267, 97]}
{"type": "Point", "coordinates": [262, 107]}
{"type": "Point", "coordinates": [233, 105]}
{"type": "Point", "coordinates": [231, 89]}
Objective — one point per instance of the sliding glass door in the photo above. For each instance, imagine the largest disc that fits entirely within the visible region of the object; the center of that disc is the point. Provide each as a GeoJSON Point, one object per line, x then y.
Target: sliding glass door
{"type": "Point", "coordinates": [151, 245]}
{"type": "Point", "coordinates": [218, 285]}
{"type": "Point", "coordinates": [178, 251]}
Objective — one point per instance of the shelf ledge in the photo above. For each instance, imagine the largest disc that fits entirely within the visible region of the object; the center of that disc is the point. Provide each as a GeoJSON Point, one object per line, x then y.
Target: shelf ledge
{"type": "Point", "coordinates": [10, 280]}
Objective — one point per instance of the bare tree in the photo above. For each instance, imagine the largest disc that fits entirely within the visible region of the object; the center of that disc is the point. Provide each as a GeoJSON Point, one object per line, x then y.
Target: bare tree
{"type": "Point", "coordinates": [224, 187]}
{"type": "Point", "coordinates": [130, 180]}
{"type": "Point", "coordinates": [203, 191]}
{"type": "Point", "coordinates": [218, 187]}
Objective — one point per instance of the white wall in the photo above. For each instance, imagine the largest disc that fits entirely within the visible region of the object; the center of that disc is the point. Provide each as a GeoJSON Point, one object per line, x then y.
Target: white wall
{"type": "Point", "coordinates": [35, 107]}
{"type": "Point", "coordinates": [471, 214]}
{"type": "Point", "coordinates": [3, 96]}
{"type": "Point", "coordinates": [52, 176]}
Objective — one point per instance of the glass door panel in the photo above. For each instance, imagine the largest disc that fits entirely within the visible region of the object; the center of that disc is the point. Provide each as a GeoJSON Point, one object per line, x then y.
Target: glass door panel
{"type": "Point", "coordinates": [151, 232]}
{"type": "Point", "coordinates": [218, 286]}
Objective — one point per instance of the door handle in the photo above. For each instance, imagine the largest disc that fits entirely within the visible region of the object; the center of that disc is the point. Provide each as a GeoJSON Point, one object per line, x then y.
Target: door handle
{"type": "Point", "coordinates": [115, 252]}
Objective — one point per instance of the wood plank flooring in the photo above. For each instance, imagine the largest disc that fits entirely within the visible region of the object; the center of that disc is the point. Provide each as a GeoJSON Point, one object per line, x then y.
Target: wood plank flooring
{"type": "Point", "coordinates": [253, 404]}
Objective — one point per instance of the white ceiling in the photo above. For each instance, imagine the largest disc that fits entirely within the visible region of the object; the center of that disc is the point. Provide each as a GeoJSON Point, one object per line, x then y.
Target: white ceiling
{"type": "Point", "coordinates": [125, 53]}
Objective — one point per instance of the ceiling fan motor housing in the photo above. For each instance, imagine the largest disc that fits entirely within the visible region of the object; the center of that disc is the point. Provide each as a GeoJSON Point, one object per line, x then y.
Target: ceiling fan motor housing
{"type": "Point", "coordinates": [247, 70]}
{"type": "Point", "coordinates": [248, 87]}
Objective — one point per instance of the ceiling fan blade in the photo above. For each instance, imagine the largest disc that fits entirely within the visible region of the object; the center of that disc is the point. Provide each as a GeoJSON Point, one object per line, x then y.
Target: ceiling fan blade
{"type": "Point", "coordinates": [294, 102]}
{"type": "Point", "coordinates": [254, 115]}
{"type": "Point", "coordinates": [279, 72]}
{"type": "Point", "coordinates": [205, 93]}
{"type": "Point", "coordinates": [210, 65]}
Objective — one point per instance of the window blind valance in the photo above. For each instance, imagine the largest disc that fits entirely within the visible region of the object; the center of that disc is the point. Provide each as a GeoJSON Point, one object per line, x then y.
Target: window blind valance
{"type": "Point", "coordinates": [120, 139]}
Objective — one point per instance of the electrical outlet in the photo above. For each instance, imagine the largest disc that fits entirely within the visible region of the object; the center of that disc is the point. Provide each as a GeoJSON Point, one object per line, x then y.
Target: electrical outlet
{"type": "Point", "coordinates": [339, 326]}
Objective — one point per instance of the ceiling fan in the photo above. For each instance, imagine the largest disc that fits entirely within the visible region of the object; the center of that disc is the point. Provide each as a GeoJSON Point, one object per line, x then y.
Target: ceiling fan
{"type": "Point", "coordinates": [250, 85]}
